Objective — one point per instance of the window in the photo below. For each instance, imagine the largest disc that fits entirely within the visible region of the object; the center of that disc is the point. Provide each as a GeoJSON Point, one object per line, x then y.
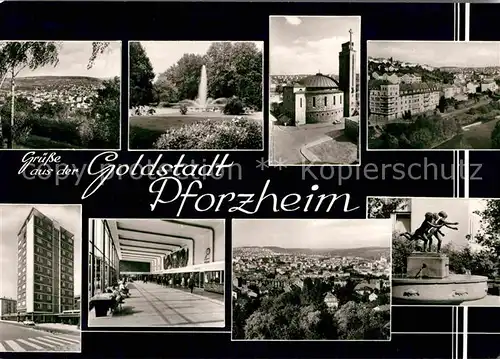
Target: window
{"type": "Point", "coordinates": [314, 101]}
{"type": "Point", "coordinates": [326, 100]}
{"type": "Point", "coordinates": [300, 102]}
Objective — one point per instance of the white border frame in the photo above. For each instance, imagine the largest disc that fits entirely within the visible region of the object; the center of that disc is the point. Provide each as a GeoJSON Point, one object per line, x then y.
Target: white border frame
{"type": "Point", "coordinates": [39, 206]}
{"type": "Point", "coordinates": [121, 93]}
{"type": "Point", "coordinates": [309, 340]}
{"type": "Point", "coordinates": [368, 149]}
{"type": "Point", "coordinates": [432, 198]}
{"type": "Point", "coordinates": [277, 162]}
{"type": "Point", "coordinates": [167, 328]}
{"type": "Point", "coordinates": [198, 150]}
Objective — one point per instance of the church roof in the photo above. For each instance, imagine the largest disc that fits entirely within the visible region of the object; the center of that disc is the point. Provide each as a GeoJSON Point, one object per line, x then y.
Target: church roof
{"type": "Point", "coordinates": [319, 81]}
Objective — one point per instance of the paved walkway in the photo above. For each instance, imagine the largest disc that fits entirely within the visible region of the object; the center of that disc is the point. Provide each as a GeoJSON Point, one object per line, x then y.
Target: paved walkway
{"type": "Point", "coordinates": [153, 305]}
{"type": "Point", "coordinates": [286, 142]}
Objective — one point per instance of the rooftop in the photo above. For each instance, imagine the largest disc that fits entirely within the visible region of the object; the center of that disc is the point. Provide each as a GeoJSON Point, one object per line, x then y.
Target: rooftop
{"type": "Point", "coordinates": [319, 81]}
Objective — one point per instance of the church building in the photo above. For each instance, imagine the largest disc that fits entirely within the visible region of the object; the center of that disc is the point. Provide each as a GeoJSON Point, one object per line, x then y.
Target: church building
{"type": "Point", "coordinates": [322, 99]}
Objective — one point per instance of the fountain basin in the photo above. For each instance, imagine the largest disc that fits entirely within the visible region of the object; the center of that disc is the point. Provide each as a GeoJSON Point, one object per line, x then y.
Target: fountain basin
{"type": "Point", "coordinates": [452, 290]}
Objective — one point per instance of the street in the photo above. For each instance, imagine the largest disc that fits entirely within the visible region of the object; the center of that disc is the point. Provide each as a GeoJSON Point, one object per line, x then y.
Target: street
{"type": "Point", "coordinates": [15, 338]}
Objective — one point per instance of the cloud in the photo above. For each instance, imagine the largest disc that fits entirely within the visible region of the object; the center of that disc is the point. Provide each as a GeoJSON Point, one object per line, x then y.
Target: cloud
{"type": "Point", "coordinates": [293, 20]}
{"type": "Point", "coordinates": [309, 56]}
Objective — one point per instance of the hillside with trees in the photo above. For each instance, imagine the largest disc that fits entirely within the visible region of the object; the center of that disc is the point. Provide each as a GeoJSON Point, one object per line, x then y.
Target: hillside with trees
{"type": "Point", "coordinates": [301, 314]}
{"type": "Point", "coordinates": [436, 75]}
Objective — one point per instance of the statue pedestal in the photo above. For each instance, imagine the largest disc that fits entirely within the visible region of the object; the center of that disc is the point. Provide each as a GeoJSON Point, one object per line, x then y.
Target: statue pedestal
{"type": "Point", "coordinates": [428, 282]}
{"type": "Point", "coordinates": [427, 265]}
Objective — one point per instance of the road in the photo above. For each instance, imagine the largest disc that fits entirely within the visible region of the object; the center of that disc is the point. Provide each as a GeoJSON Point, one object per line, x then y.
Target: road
{"type": "Point", "coordinates": [15, 338]}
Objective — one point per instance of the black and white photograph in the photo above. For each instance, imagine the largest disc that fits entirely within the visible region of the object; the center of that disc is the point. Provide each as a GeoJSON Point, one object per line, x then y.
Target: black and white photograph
{"type": "Point", "coordinates": [314, 65]}
{"type": "Point", "coordinates": [311, 279]}
{"type": "Point", "coordinates": [57, 95]}
{"type": "Point", "coordinates": [156, 273]}
{"type": "Point", "coordinates": [444, 250]}
{"type": "Point", "coordinates": [40, 271]}
{"type": "Point", "coordinates": [433, 95]}
{"type": "Point", "coordinates": [196, 95]}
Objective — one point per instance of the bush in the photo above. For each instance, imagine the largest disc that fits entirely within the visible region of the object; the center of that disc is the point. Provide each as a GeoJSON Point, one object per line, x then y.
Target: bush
{"type": "Point", "coordinates": [284, 121]}
{"type": "Point", "coordinates": [234, 107]}
{"type": "Point", "coordinates": [183, 109]}
{"type": "Point", "coordinates": [143, 138]}
{"type": "Point", "coordinates": [351, 132]}
{"type": "Point", "coordinates": [57, 130]}
{"type": "Point", "coordinates": [208, 134]}
{"type": "Point", "coordinates": [21, 129]}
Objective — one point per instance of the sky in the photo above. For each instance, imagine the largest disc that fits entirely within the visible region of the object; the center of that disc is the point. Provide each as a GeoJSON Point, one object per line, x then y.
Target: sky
{"type": "Point", "coordinates": [74, 58]}
{"type": "Point", "coordinates": [438, 54]}
{"type": "Point", "coordinates": [164, 54]}
{"type": "Point", "coordinates": [308, 45]}
{"type": "Point", "coordinates": [312, 233]}
{"type": "Point", "coordinates": [11, 220]}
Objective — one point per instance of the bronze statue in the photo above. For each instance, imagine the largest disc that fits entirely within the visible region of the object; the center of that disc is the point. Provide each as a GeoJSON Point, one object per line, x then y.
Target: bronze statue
{"type": "Point", "coordinates": [422, 232]}
{"type": "Point", "coordinates": [440, 220]}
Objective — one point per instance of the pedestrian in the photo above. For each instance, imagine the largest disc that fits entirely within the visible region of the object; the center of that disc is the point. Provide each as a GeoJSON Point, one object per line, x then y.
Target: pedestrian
{"type": "Point", "coordinates": [191, 284]}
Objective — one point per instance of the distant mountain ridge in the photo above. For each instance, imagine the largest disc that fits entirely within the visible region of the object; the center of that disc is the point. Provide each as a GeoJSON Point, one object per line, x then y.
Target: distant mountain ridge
{"type": "Point", "coordinates": [32, 82]}
{"type": "Point", "coordinates": [363, 252]}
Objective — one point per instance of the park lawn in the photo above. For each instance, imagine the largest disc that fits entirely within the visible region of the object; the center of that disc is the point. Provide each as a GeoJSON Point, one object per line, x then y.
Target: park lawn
{"type": "Point", "coordinates": [163, 123]}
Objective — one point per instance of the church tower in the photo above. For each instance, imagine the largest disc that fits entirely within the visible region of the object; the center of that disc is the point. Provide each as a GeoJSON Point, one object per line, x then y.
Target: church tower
{"type": "Point", "coordinates": [347, 75]}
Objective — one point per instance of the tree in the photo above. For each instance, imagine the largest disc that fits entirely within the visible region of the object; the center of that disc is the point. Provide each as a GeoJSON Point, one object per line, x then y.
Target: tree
{"type": "Point", "coordinates": [235, 69]}
{"type": "Point", "coordinates": [16, 56]}
{"type": "Point", "coordinates": [357, 321]}
{"type": "Point", "coordinates": [401, 250]}
{"type": "Point", "coordinates": [98, 47]}
{"type": "Point", "coordinates": [384, 207]}
{"type": "Point", "coordinates": [141, 76]}
{"type": "Point", "coordinates": [442, 104]}
{"type": "Point", "coordinates": [489, 235]}
{"type": "Point", "coordinates": [181, 81]}
{"type": "Point", "coordinates": [495, 136]}
{"type": "Point", "coordinates": [345, 293]}
{"type": "Point", "coordinates": [105, 116]}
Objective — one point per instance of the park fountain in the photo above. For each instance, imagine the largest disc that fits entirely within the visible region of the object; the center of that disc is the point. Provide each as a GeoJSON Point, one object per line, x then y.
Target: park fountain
{"type": "Point", "coordinates": [428, 281]}
{"type": "Point", "coordinates": [203, 103]}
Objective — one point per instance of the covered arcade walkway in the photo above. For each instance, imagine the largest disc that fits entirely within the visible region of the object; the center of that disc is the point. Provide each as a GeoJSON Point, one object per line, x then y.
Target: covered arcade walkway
{"type": "Point", "coordinates": [151, 304]}
{"type": "Point", "coordinates": [169, 255]}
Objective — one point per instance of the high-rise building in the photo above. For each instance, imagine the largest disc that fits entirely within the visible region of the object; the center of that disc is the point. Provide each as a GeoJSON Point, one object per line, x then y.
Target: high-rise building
{"type": "Point", "coordinates": [347, 75]}
{"type": "Point", "coordinates": [45, 279]}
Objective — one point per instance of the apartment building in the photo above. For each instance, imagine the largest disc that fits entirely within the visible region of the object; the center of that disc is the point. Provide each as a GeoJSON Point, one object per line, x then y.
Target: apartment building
{"type": "Point", "coordinates": [7, 306]}
{"type": "Point", "coordinates": [391, 101]}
